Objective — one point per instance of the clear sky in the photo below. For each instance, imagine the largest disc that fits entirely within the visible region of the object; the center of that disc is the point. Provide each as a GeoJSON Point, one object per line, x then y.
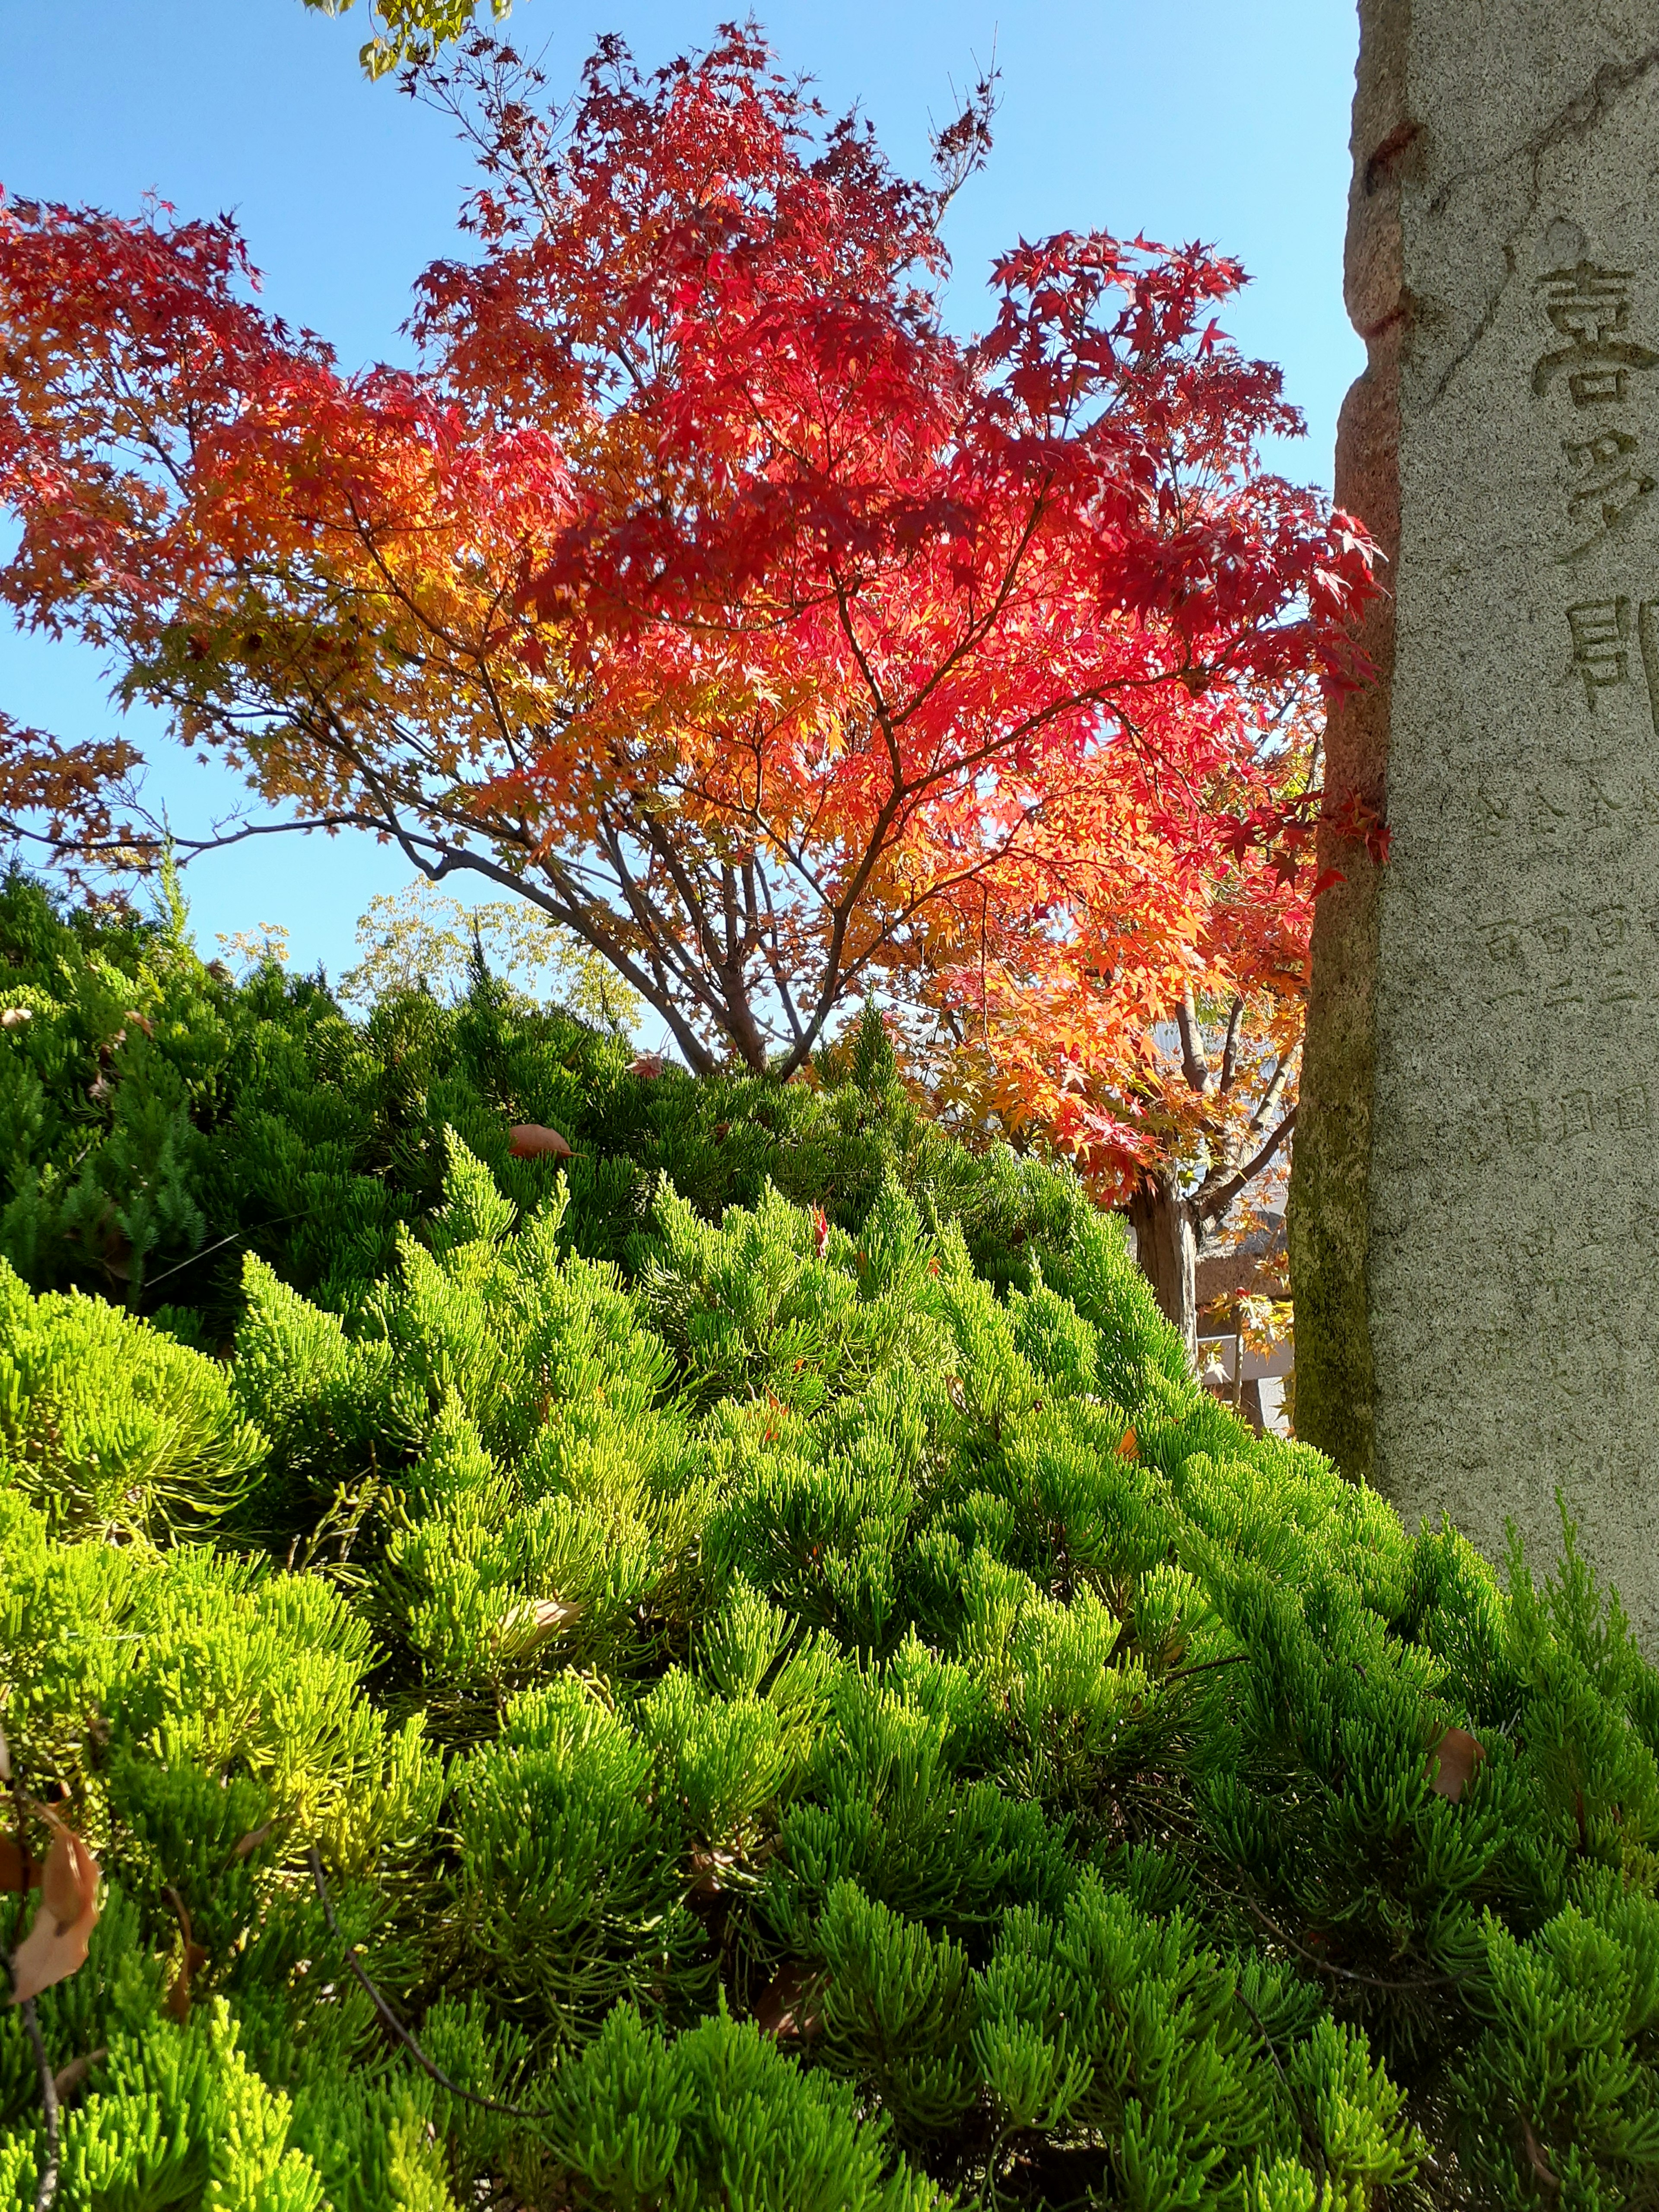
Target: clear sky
{"type": "Point", "coordinates": [1181, 119]}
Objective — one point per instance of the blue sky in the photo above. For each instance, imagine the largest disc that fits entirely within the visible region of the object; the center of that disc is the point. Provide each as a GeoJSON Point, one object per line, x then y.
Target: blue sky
{"type": "Point", "coordinates": [1191, 119]}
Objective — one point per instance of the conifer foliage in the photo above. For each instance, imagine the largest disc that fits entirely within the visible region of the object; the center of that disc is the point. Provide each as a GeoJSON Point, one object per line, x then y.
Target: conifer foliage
{"type": "Point", "coordinates": [750, 1641]}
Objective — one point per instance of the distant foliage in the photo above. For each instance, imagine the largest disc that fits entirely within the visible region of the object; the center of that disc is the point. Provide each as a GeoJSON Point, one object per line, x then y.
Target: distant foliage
{"type": "Point", "coordinates": [417, 938]}
{"type": "Point", "coordinates": [404, 29]}
{"type": "Point", "coordinates": [798, 1698]}
{"type": "Point", "coordinates": [253, 948]}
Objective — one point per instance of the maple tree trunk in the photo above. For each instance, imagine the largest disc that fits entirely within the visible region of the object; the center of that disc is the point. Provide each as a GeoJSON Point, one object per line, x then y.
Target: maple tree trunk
{"type": "Point", "coordinates": [1166, 1245]}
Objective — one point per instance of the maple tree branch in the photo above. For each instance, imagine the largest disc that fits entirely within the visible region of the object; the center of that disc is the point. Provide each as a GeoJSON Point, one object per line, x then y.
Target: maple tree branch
{"type": "Point", "coordinates": [775, 956]}
{"type": "Point", "coordinates": [571, 910]}
{"type": "Point", "coordinates": [1193, 1066]}
{"type": "Point", "coordinates": [978, 631]}
{"type": "Point", "coordinates": [1230, 1050]}
{"type": "Point", "coordinates": [1267, 1105]}
{"type": "Point", "coordinates": [665, 949]}
{"type": "Point", "coordinates": [695, 913]}
{"type": "Point", "coordinates": [436, 860]}
{"type": "Point", "coordinates": [1213, 1203]}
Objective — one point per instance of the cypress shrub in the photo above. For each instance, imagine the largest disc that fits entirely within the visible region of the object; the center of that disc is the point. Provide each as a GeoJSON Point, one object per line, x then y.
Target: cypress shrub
{"type": "Point", "coordinates": [796, 1697]}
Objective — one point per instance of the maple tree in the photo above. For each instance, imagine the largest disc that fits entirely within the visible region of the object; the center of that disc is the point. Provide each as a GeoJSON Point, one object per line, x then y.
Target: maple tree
{"type": "Point", "coordinates": [703, 590]}
{"type": "Point", "coordinates": [1178, 1138]}
{"type": "Point", "coordinates": [1174, 1091]}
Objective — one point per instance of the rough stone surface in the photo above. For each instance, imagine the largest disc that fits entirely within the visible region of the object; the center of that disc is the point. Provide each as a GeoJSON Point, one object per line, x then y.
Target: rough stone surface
{"type": "Point", "coordinates": [1474, 1206]}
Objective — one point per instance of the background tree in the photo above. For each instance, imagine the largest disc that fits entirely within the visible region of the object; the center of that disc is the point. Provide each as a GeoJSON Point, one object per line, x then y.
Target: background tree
{"type": "Point", "coordinates": [407, 29]}
{"type": "Point", "coordinates": [703, 590]}
{"type": "Point", "coordinates": [1172, 1101]}
{"type": "Point", "coordinates": [264, 945]}
{"type": "Point", "coordinates": [417, 938]}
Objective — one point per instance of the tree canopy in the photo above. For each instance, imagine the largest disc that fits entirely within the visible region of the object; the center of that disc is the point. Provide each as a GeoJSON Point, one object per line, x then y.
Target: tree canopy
{"type": "Point", "coordinates": [703, 589]}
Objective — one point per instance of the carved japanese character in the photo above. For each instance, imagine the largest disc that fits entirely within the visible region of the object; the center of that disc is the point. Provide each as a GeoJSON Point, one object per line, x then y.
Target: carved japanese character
{"type": "Point", "coordinates": [1520, 1120]}
{"type": "Point", "coordinates": [1631, 1106]}
{"type": "Point", "coordinates": [1591, 307]}
{"type": "Point", "coordinates": [1599, 631]}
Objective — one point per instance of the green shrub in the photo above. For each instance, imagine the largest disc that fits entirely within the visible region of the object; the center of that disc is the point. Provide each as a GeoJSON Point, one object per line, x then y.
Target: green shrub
{"type": "Point", "coordinates": [110, 1427]}
{"type": "Point", "coordinates": [800, 1698]}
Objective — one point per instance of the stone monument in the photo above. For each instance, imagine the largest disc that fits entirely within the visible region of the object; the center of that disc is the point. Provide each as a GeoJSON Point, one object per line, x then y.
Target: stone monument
{"type": "Point", "coordinates": [1474, 1204]}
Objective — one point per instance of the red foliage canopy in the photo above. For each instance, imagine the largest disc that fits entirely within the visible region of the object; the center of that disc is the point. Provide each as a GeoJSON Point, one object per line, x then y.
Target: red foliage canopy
{"type": "Point", "coordinates": [703, 587]}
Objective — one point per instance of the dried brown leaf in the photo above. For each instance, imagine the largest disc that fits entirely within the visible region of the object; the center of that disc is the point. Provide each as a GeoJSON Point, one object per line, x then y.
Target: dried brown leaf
{"type": "Point", "coordinates": [709, 1870]}
{"type": "Point", "coordinates": [529, 1140]}
{"type": "Point", "coordinates": [1454, 1759]}
{"type": "Point", "coordinates": [14, 1017]}
{"type": "Point", "coordinates": [1548, 2180]}
{"type": "Point", "coordinates": [56, 1944]}
{"type": "Point", "coordinates": [532, 1618]}
{"type": "Point", "coordinates": [177, 2000]}
{"type": "Point", "coordinates": [12, 1870]}
{"type": "Point", "coordinates": [793, 2007]}
{"type": "Point", "coordinates": [68, 2080]}
{"type": "Point", "coordinates": [252, 1841]}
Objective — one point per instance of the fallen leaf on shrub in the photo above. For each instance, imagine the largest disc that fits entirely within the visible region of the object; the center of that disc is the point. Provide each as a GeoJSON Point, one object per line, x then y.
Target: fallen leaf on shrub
{"type": "Point", "coordinates": [56, 1941]}
{"type": "Point", "coordinates": [1455, 1758]}
{"type": "Point", "coordinates": [1128, 1445]}
{"type": "Point", "coordinates": [648, 1064]}
{"type": "Point", "coordinates": [252, 1841]}
{"type": "Point", "coordinates": [11, 1868]}
{"type": "Point", "coordinates": [68, 2079]}
{"type": "Point", "coordinates": [793, 2005]}
{"type": "Point", "coordinates": [132, 1015]}
{"type": "Point", "coordinates": [532, 1618]}
{"type": "Point", "coordinates": [528, 1140]}
{"type": "Point", "coordinates": [14, 1017]}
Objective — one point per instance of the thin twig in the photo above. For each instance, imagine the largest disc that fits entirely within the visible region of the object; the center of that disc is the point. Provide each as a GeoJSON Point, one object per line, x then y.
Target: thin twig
{"type": "Point", "coordinates": [47, 2192]}
{"type": "Point", "coordinates": [1344, 1974]}
{"type": "Point", "coordinates": [1203, 1666]}
{"type": "Point", "coordinates": [394, 2026]}
{"type": "Point", "coordinates": [207, 1252]}
{"type": "Point", "coordinates": [236, 1237]}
